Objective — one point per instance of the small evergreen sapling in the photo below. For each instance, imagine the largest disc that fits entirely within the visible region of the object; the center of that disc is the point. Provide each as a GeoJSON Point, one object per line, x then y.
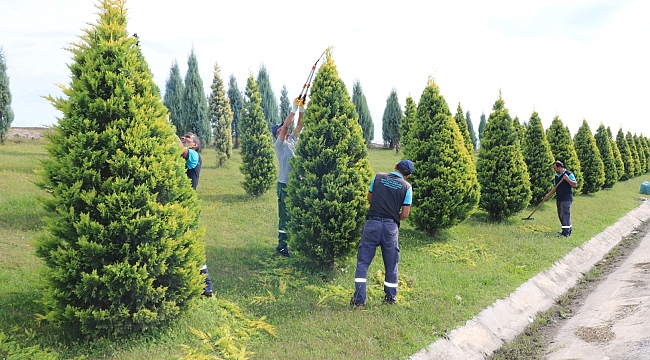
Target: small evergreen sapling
{"type": "Point", "coordinates": [220, 118]}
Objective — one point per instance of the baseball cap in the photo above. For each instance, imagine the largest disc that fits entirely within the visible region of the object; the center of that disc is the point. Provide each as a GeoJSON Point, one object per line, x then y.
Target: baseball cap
{"type": "Point", "coordinates": [406, 166]}
{"type": "Point", "coordinates": [274, 131]}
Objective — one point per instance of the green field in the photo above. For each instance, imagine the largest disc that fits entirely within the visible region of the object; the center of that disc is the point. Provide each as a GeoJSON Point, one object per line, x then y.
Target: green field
{"type": "Point", "coordinates": [443, 281]}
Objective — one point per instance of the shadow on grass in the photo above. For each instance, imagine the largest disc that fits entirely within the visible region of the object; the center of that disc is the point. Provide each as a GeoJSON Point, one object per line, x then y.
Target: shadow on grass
{"type": "Point", "coordinates": [225, 198]}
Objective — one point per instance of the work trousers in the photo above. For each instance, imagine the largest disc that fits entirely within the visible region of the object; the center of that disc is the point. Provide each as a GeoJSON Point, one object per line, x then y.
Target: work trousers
{"type": "Point", "coordinates": [283, 216]}
{"type": "Point", "coordinates": [564, 214]}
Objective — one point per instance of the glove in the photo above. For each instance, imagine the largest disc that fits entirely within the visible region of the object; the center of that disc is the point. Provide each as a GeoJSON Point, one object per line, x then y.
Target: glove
{"type": "Point", "coordinates": [294, 106]}
{"type": "Point", "coordinates": [303, 101]}
{"type": "Point", "coordinates": [301, 109]}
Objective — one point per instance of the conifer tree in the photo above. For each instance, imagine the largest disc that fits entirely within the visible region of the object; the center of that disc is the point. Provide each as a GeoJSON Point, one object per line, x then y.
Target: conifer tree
{"type": "Point", "coordinates": [635, 154]}
{"type": "Point", "coordinates": [618, 159]}
{"type": "Point", "coordinates": [269, 101]}
{"type": "Point", "coordinates": [330, 174]}
{"type": "Point", "coordinates": [122, 245]}
{"type": "Point", "coordinates": [6, 114]}
{"type": "Point", "coordinates": [646, 150]}
{"type": "Point", "coordinates": [472, 133]}
{"type": "Point", "coordinates": [361, 106]}
{"type": "Point", "coordinates": [236, 105]}
{"type": "Point", "coordinates": [538, 157]}
{"type": "Point", "coordinates": [563, 150]}
{"type": "Point", "coordinates": [591, 163]}
{"type": "Point", "coordinates": [410, 113]}
{"type": "Point", "coordinates": [220, 118]}
{"type": "Point", "coordinates": [258, 158]}
{"type": "Point", "coordinates": [626, 155]}
{"type": "Point", "coordinates": [502, 172]}
{"type": "Point", "coordinates": [285, 104]}
{"type": "Point", "coordinates": [462, 126]}
{"type": "Point", "coordinates": [444, 178]}
{"type": "Point", "coordinates": [604, 145]}
{"type": "Point", "coordinates": [481, 127]}
{"type": "Point", "coordinates": [519, 128]}
{"type": "Point", "coordinates": [174, 99]}
{"type": "Point", "coordinates": [391, 120]}
{"type": "Point", "coordinates": [195, 104]}
{"type": "Point", "coordinates": [641, 150]}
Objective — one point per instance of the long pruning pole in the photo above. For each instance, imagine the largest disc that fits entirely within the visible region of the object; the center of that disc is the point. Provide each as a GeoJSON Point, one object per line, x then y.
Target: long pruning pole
{"type": "Point", "coordinates": [307, 85]}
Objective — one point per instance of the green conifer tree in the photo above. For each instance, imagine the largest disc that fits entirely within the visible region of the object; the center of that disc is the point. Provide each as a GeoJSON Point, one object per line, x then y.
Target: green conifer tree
{"type": "Point", "coordinates": [618, 158]}
{"type": "Point", "coordinates": [173, 99]}
{"type": "Point", "coordinates": [220, 117]}
{"type": "Point", "coordinates": [481, 127]}
{"type": "Point", "coordinates": [472, 133]}
{"type": "Point", "coordinates": [6, 114]}
{"type": "Point", "coordinates": [236, 105]}
{"type": "Point", "coordinates": [258, 158]}
{"type": "Point", "coordinates": [285, 104]}
{"type": "Point", "coordinates": [444, 178]}
{"type": "Point", "coordinates": [538, 157]}
{"type": "Point", "coordinates": [626, 155]}
{"type": "Point", "coordinates": [519, 128]}
{"type": "Point", "coordinates": [121, 247]}
{"type": "Point", "coordinates": [390, 121]}
{"type": "Point", "coordinates": [361, 106]}
{"type": "Point", "coordinates": [635, 154]}
{"type": "Point", "coordinates": [641, 150]}
{"type": "Point", "coordinates": [563, 150]}
{"type": "Point", "coordinates": [269, 101]}
{"type": "Point", "coordinates": [410, 113]}
{"type": "Point", "coordinates": [330, 174]}
{"type": "Point", "coordinates": [462, 126]}
{"type": "Point", "coordinates": [646, 149]}
{"type": "Point", "coordinates": [502, 172]}
{"type": "Point", "coordinates": [195, 103]}
{"type": "Point", "coordinates": [604, 145]}
{"type": "Point", "coordinates": [591, 163]}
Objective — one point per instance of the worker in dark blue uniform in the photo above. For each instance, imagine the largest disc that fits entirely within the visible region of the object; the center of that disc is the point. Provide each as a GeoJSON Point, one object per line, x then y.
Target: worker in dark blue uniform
{"type": "Point", "coordinates": [390, 199]}
{"type": "Point", "coordinates": [563, 186]}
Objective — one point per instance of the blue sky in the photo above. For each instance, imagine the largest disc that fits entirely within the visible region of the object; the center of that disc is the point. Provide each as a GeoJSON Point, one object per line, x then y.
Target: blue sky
{"type": "Point", "coordinates": [575, 59]}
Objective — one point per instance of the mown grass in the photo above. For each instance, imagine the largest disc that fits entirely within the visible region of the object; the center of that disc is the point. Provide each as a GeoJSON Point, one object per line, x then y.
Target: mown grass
{"type": "Point", "coordinates": [443, 281]}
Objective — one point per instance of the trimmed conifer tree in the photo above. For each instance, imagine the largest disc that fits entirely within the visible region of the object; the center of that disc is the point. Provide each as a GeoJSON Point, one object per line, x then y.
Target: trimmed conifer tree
{"type": "Point", "coordinates": [220, 117]}
{"type": "Point", "coordinates": [195, 104]}
{"type": "Point", "coordinates": [591, 163]}
{"type": "Point", "coordinates": [361, 106]}
{"type": "Point", "coordinates": [641, 150]}
{"type": "Point", "coordinates": [330, 174]}
{"type": "Point", "coordinates": [444, 178]}
{"type": "Point", "coordinates": [502, 172]}
{"type": "Point", "coordinates": [618, 159]}
{"type": "Point", "coordinates": [258, 157]}
{"type": "Point", "coordinates": [462, 126]}
{"type": "Point", "coordinates": [173, 99]}
{"type": "Point", "coordinates": [121, 246]}
{"type": "Point", "coordinates": [635, 154]}
{"type": "Point", "coordinates": [285, 104]}
{"type": "Point", "coordinates": [390, 121]}
{"type": "Point", "coordinates": [626, 155]}
{"type": "Point", "coordinates": [6, 113]}
{"type": "Point", "coordinates": [519, 128]}
{"type": "Point", "coordinates": [472, 133]}
{"type": "Point", "coordinates": [481, 127]}
{"type": "Point", "coordinates": [563, 150]}
{"type": "Point", "coordinates": [236, 105]}
{"type": "Point", "coordinates": [646, 149]}
{"type": "Point", "coordinates": [269, 102]}
{"type": "Point", "coordinates": [538, 158]}
{"type": "Point", "coordinates": [604, 145]}
{"type": "Point", "coordinates": [410, 113]}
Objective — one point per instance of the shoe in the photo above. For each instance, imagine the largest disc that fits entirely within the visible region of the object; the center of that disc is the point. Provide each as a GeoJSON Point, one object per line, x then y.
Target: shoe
{"type": "Point", "coordinates": [208, 293]}
{"type": "Point", "coordinates": [389, 301]}
{"type": "Point", "coordinates": [284, 252]}
{"type": "Point", "coordinates": [356, 304]}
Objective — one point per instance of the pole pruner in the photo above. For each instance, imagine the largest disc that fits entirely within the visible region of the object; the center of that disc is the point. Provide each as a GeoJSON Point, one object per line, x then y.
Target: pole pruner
{"type": "Point", "coordinates": [307, 85]}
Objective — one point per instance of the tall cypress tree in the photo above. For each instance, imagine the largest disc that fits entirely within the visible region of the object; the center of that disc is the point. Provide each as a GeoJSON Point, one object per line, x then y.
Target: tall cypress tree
{"type": "Point", "coordinates": [391, 120]}
{"type": "Point", "coordinates": [174, 99]}
{"type": "Point", "coordinates": [444, 178]}
{"type": "Point", "coordinates": [220, 118]}
{"type": "Point", "coordinates": [618, 158]}
{"type": "Point", "coordinates": [641, 150]}
{"type": "Point", "coordinates": [361, 105]}
{"type": "Point", "coordinates": [481, 127]}
{"type": "Point", "coordinates": [462, 126]}
{"type": "Point", "coordinates": [635, 154]}
{"type": "Point", "coordinates": [122, 245]}
{"type": "Point", "coordinates": [591, 163]}
{"type": "Point", "coordinates": [6, 114]}
{"type": "Point", "coordinates": [285, 104]}
{"type": "Point", "coordinates": [646, 150]}
{"type": "Point", "coordinates": [410, 113]}
{"type": "Point", "coordinates": [472, 133]}
{"type": "Point", "coordinates": [502, 172]}
{"type": "Point", "coordinates": [258, 158]}
{"type": "Point", "coordinates": [330, 174]}
{"type": "Point", "coordinates": [563, 150]}
{"type": "Point", "coordinates": [538, 157]}
{"type": "Point", "coordinates": [195, 104]}
{"type": "Point", "coordinates": [236, 105]}
{"type": "Point", "coordinates": [519, 128]}
{"type": "Point", "coordinates": [626, 155]}
{"type": "Point", "coordinates": [604, 144]}
{"type": "Point", "coordinates": [269, 102]}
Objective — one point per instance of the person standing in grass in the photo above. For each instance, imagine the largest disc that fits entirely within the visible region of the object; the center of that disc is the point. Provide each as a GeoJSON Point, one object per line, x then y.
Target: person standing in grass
{"type": "Point", "coordinates": [563, 185]}
{"type": "Point", "coordinates": [390, 198]}
{"type": "Point", "coordinates": [284, 146]}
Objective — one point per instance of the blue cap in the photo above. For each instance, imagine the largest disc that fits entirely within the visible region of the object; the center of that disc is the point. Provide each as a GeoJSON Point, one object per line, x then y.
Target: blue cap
{"type": "Point", "coordinates": [275, 130]}
{"type": "Point", "coordinates": [405, 166]}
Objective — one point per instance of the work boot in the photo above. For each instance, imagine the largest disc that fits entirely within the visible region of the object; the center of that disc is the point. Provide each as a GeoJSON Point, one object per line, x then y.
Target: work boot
{"type": "Point", "coordinates": [356, 304]}
{"type": "Point", "coordinates": [389, 300]}
{"type": "Point", "coordinates": [284, 252]}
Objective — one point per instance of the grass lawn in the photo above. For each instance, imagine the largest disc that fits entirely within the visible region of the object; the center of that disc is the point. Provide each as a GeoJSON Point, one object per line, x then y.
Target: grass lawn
{"type": "Point", "coordinates": [443, 281]}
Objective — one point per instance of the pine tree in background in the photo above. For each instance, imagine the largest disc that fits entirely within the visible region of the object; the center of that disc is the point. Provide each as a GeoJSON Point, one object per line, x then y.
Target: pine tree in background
{"type": "Point", "coordinates": [361, 106]}
{"type": "Point", "coordinates": [591, 163]}
{"type": "Point", "coordinates": [462, 126]}
{"type": "Point", "coordinates": [641, 151]}
{"type": "Point", "coordinates": [604, 144]}
{"type": "Point", "coordinates": [236, 105]}
{"type": "Point", "coordinates": [121, 246]}
{"type": "Point", "coordinates": [563, 150]}
{"type": "Point", "coordinates": [6, 114]}
{"type": "Point", "coordinates": [444, 178]}
{"type": "Point", "coordinates": [220, 118]}
{"type": "Point", "coordinates": [626, 155]}
{"type": "Point", "coordinates": [269, 101]}
{"type": "Point", "coordinates": [195, 104]}
{"type": "Point", "coordinates": [635, 154]}
{"type": "Point", "coordinates": [481, 127]}
{"type": "Point", "coordinates": [502, 172]}
{"type": "Point", "coordinates": [538, 158]}
{"type": "Point", "coordinates": [330, 174]}
{"type": "Point", "coordinates": [618, 159]}
{"type": "Point", "coordinates": [174, 99]}
{"type": "Point", "coordinates": [258, 157]}
{"type": "Point", "coordinates": [472, 133]}
{"type": "Point", "coordinates": [391, 121]}
{"type": "Point", "coordinates": [285, 104]}
{"type": "Point", "coordinates": [410, 113]}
